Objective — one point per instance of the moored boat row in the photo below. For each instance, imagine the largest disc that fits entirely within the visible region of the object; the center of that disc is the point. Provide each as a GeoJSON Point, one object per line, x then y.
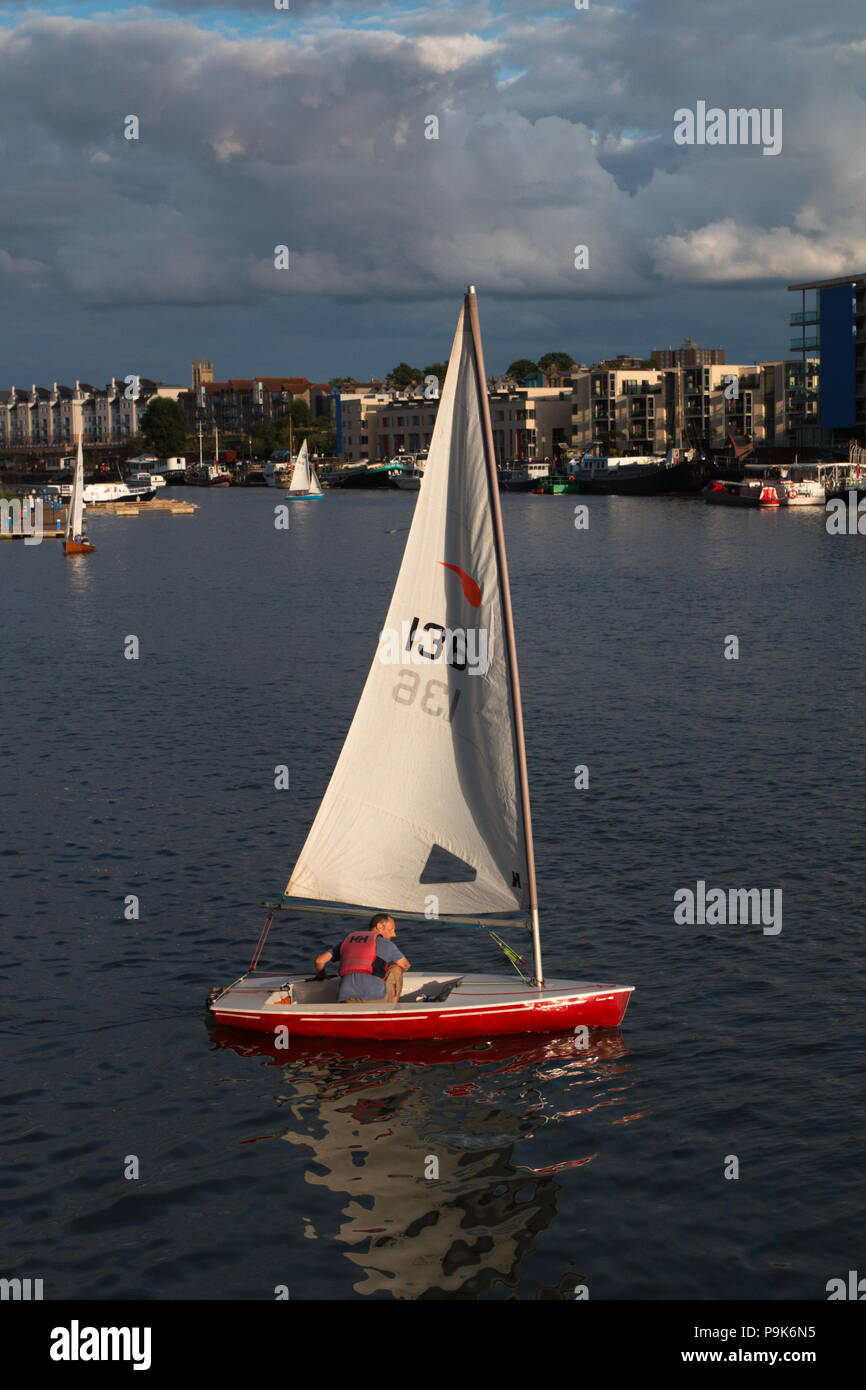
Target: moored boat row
{"type": "Point", "coordinates": [631, 475]}
{"type": "Point", "coordinates": [403, 471]}
{"type": "Point", "coordinates": [798, 485]}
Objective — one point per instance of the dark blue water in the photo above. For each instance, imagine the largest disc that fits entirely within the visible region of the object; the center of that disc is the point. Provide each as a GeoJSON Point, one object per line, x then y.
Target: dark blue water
{"type": "Point", "coordinates": [556, 1167]}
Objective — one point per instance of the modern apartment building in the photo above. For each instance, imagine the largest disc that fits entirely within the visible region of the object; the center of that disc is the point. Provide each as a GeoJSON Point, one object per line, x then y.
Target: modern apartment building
{"type": "Point", "coordinates": [378, 424]}
{"type": "Point", "coordinates": [689, 355]}
{"type": "Point", "coordinates": [831, 329]}
{"type": "Point", "coordinates": [654, 409]}
{"type": "Point", "coordinates": [791, 402]}
{"type": "Point", "coordinates": [527, 422]}
{"type": "Point", "coordinates": [400, 423]}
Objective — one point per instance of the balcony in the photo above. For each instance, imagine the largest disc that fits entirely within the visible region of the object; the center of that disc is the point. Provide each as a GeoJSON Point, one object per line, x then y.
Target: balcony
{"type": "Point", "coordinates": [800, 344]}
{"type": "Point", "coordinates": [810, 316]}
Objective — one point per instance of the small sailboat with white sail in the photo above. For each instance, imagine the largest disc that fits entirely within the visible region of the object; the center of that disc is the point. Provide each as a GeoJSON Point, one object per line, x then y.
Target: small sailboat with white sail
{"type": "Point", "coordinates": [75, 541]}
{"type": "Point", "coordinates": [427, 813]}
{"type": "Point", "coordinates": [305, 485]}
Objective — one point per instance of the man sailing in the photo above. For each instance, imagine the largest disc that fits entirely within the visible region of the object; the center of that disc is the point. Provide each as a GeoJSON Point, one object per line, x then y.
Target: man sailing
{"type": "Point", "coordinates": [371, 964]}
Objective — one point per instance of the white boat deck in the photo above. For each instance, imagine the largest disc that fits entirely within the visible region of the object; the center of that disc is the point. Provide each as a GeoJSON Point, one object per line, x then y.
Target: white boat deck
{"type": "Point", "coordinates": [282, 993]}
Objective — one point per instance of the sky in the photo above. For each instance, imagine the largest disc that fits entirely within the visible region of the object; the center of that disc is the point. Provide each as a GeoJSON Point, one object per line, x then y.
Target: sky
{"type": "Point", "coordinates": [307, 128]}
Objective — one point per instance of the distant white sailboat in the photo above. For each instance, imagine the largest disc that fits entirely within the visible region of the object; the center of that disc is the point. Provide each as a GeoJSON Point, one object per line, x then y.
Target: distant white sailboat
{"type": "Point", "coordinates": [305, 486]}
{"type": "Point", "coordinates": [427, 812]}
{"type": "Point", "coordinates": [76, 542]}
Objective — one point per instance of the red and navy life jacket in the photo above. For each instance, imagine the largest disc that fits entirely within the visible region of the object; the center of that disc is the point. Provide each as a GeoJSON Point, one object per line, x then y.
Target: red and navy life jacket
{"type": "Point", "coordinates": [358, 953]}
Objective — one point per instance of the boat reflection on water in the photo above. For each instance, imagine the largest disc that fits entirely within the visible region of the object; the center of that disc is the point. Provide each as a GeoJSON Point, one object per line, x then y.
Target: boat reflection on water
{"type": "Point", "coordinates": [448, 1154]}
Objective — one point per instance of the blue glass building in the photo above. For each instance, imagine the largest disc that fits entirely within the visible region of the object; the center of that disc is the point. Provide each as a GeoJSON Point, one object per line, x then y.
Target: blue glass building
{"type": "Point", "coordinates": [831, 325]}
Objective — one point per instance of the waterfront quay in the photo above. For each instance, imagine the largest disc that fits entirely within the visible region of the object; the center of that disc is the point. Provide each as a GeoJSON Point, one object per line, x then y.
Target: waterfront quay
{"type": "Point", "coordinates": [21, 522]}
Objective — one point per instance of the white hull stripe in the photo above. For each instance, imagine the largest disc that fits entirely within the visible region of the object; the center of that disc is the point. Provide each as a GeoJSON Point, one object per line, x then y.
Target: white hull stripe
{"type": "Point", "coordinates": [293, 1010]}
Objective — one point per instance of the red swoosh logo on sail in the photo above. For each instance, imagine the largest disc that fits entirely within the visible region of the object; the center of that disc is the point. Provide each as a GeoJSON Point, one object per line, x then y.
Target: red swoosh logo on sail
{"type": "Point", "coordinates": [470, 588]}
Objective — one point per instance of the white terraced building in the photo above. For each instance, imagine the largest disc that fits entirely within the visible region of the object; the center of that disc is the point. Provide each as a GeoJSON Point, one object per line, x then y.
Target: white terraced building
{"type": "Point", "coordinates": [43, 416]}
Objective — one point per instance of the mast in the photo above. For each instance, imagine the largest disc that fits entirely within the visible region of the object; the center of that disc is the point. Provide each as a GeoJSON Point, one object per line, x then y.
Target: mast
{"type": "Point", "coordinates": [471, 306]}
{"type": "Point", "coordinates": [68, 532]}
{"type": "Point", "coordinates": [200, 459]}
{"type": "Point", "coordinates": [216, 445]}
{"type": "Point", "coordinates": [75, 508]}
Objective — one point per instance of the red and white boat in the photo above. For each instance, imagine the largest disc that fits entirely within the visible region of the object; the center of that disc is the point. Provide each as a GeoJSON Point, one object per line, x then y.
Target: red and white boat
{"type": "Point", "coordinates": [431, 1006]}
{"type": "Point", "coordinates": [427, 812]}
{"type": "Point", "coordinates": [749, 492]}
{"type": "Point", "coordinates": [76, 542]}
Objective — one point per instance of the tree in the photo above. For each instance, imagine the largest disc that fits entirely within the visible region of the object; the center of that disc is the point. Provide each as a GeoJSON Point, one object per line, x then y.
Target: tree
{"type": "Point", "coordinates": [437, 369]}
{"type": "Point", "coordinates": [133, 446]}
{"type": "Point", "coordinates": [164, 426]}
{"type": "Point", "coordinates": [556, 361]}
{"type": "Point", "coordinates": [404, 375]}
{"type": "Point", "coordinates": [318, 430]}
{"type": "Point", "coordinates": [523, 368]}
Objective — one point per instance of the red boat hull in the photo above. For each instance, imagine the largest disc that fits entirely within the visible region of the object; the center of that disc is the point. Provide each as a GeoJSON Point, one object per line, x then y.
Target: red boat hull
{"type": "Point", "coordinates": [537, 1011]}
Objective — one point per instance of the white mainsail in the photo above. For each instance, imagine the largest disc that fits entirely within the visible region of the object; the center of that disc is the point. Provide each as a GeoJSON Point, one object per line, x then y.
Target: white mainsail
{"type": "Point", "coordinates": [301, 475]}
{"type": "Point", "coordinates": [75, 515]}
{"type": "Point", "coordinates": [428, 774]}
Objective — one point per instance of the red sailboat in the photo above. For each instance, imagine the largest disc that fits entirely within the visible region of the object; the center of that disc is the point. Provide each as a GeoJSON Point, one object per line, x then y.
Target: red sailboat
{"type": "Point", "coordinates": [427, 812]}
{"type": "Point", "coordinates": [75, 541]}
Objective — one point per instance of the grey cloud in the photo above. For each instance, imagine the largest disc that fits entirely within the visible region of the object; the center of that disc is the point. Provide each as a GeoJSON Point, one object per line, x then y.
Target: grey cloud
{"type": "Point", "coordinates": [319, 143]}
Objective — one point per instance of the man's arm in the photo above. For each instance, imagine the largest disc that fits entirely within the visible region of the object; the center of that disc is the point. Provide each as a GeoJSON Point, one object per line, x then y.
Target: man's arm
{"type": "Point", "coordinates": [322, 961]}
{"type": "Point", "coordinates": [391, 954]}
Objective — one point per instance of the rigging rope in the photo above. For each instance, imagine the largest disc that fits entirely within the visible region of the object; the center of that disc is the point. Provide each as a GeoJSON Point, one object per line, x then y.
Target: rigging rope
{"type": "Point", "coordinates": [260, 944]}
{"type": "Point", "coordinates": [520, 963]}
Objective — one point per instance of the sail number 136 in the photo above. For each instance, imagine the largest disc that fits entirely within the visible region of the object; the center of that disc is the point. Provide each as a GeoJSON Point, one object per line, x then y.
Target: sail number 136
{"type": "Point", "coordinates": [434, 696]}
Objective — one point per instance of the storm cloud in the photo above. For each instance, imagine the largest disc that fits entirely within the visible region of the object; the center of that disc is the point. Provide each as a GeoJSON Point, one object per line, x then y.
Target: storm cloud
{"type": "Point", "coordinates": [308, 128]}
